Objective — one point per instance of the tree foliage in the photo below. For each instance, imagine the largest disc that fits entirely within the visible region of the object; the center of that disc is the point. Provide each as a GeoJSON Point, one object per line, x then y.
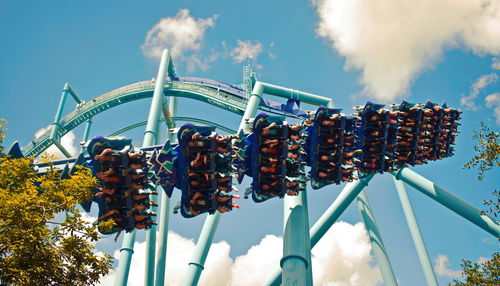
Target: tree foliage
{"type": "Point", "coordinates": [43, 238]}
{"type": "Point", "coordinates": [487, 151]}
{"type": "Point", "coordinates": [485, 273]}
{"type": "Point", "coordinates": [487, 157]}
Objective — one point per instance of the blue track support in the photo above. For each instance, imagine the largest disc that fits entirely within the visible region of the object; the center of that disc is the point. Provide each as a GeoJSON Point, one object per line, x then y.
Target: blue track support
{"type": "Point", "coordinates": [449, 200]}
{"type": "Point", "coordinates": [329, 217]}
{"type": "Point", "coordinates": [295, 260]}
{"type": "Point", "coordinates": [165, 206]}
{"type": "Point", "coordinates": [376, 240]}
{"type": "Point", "coordinates": [150, 137]}
{"type": "Point", "coordinates": [418, 241]}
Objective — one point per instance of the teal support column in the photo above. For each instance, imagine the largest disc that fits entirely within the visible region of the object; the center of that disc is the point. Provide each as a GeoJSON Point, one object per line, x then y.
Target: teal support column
{"type": "Point", "coordinates": [57, 118]}
{"type": "Point", "coordinates": [60, 108]}
{"type": "Point", "coordinates": [418, 241]}
{"type": "Point", "coordinates": [329, 217]}
{"type": "Point", "coordinates": [294, 262]}
{"type": "Point", "coordinates": [161, 257]}
{"type": "Point", "coordinates": [293, 94]}
{"type": "Point", "coordinates": [150, 137]}
{"type": "Point", "coordinates": [86, 133]}
{"type": "Point", "coordinates": [125, 257]}
{"type": "Point", "coordinates": [308, 241]}
{"type": "Point", "coordinates": [61, 147]}
{"type": "Point", "coordinates": [449, 200]}
{"type": "Point", "coordinates": [162, 238]}
{"type": "Point", "coordinates": [376, 240]}
{"type": "Point", "coordinates": [197, 263]}
{"type": "Point", "coordinates": [208, 231]}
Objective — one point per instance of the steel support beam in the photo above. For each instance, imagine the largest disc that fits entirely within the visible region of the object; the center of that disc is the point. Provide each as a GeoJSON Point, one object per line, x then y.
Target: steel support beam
{"type": "Point", "coordinates": [165, 203]}
{"type": "Point", "coordinates": [150, 137]}
{"type": "Point", "coordinates": [197, 263]}
{"type": "Point", "coordinates": [329, 217]}
{"type": "Point", "coordinates": [418, 241]}
{"type": "Point", "coordinates": [86, 133]}
{"type": "Point", "coordinates": [295, 262]}
{"type": "Point", "coordinates": [378, 247]}
{"type": "Point", "coordinates": [57, 118]}
{"type": "Point", "coordinates": [449, 200]}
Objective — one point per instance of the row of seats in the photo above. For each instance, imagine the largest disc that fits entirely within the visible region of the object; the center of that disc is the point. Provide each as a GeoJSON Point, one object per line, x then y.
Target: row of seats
{"type": "Point", "coordinates": [338, 148]}
{"type": "Point", "coordinates": [331, 140]}
{"type": "Point", "coordinates": [123, 186]}
{"type": "Point", "coordinates": [274, 158]}
{"type": "Point", "coordinates": [409, 134]}
{"type": "Point", "coordinates": [205, 164]}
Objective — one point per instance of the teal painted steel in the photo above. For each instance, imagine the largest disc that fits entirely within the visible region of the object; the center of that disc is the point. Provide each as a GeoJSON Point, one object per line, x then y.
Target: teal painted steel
{"type": "Point", "coordinates": [61, 148]}
{"type": "Point", "coordinates": [449, 200]}
{"type": "Point", "coordinates": [251, 109]}
{"type": "Point", "coordinates": [197, 263]}
{"type": "Point", "coordinates": [294, 262]}
{"type": "Point", "coordinates": [176, 118]}
{"type": "Point", "coordinates": [308, 242]}
{"type": "Point", "coordinates": [125, 257]}
{"type": "Point", "coordinates": [86, 133]}
{"type": "Point", "coordinates": [136, 91]}
{"type": "Point", "coordinates": [162, 239]}
{"type": "Point", "coordinates": [54, 138]}
{"type": "Point", "coordinates": [73, 94]}
{"type": "Point", "coordinates": [60, 108]}
{"type": "Point", "coordinates": [161, 257]}
{"type": "Point", "coordinates": [329, 217]}
{"type": "Point", "coordinates": [149, 139]}
{"type": "Point", "coordinates": [418, 241]}
{"type": "Point", "coordinates": [378, 247]}
{"type": "Point", "coordinates": [293, 94]}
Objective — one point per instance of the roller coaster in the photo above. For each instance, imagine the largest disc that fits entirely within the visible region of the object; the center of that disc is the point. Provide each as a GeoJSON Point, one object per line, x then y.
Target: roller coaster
{"type": "Point", "coordinates": [282, 148]}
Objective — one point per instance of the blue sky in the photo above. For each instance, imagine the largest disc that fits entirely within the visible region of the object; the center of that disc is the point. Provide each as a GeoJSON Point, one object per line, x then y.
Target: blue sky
{"type": "Point", "coordinates": [346, 50]}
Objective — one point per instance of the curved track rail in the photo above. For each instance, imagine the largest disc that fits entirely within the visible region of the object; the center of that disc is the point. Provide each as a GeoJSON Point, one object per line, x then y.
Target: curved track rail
{"type": "Point", "coordinates": [216, 93]}
{"type": "Point", "coordinates": [176, 118]}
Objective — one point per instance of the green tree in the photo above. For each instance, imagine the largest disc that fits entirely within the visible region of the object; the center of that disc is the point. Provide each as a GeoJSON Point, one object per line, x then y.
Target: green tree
{"type": "Point", "coordinates": [487, 157]}
{"type": "Point", "coordinates": [37, 248]}
{"type": "Point", "coordinates": [484, 273]}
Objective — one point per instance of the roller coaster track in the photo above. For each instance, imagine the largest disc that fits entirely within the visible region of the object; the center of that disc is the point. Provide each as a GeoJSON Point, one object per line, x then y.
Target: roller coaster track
{"type": "Point", "coordinates": [216, 93]}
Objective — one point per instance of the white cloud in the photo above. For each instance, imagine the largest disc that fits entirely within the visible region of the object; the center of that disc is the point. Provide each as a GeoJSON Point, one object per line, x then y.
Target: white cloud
{"type": "Point", "coordinates": [244, 50]}
{"type": "Point", "coordinates": [495, 63]}
{"type": "Point", "coordinates": [393, 41]}
{"type": "Point", "coordinates": [442, 267]}
{"type": "Point", "coordinates": [342, 258]}
{"type": "Point", "coordinates": [183, 35]}
{"type": "Point", "coordinates": [179, 251]}
{"type": "Point", "coordinates": [493, 101]}
{"type": "Point", "coordinates": [259, 263]}
{"type": "Point", "coordinates": [68, 141]}
{"type": "Point", "coordinates": [480, 83]}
